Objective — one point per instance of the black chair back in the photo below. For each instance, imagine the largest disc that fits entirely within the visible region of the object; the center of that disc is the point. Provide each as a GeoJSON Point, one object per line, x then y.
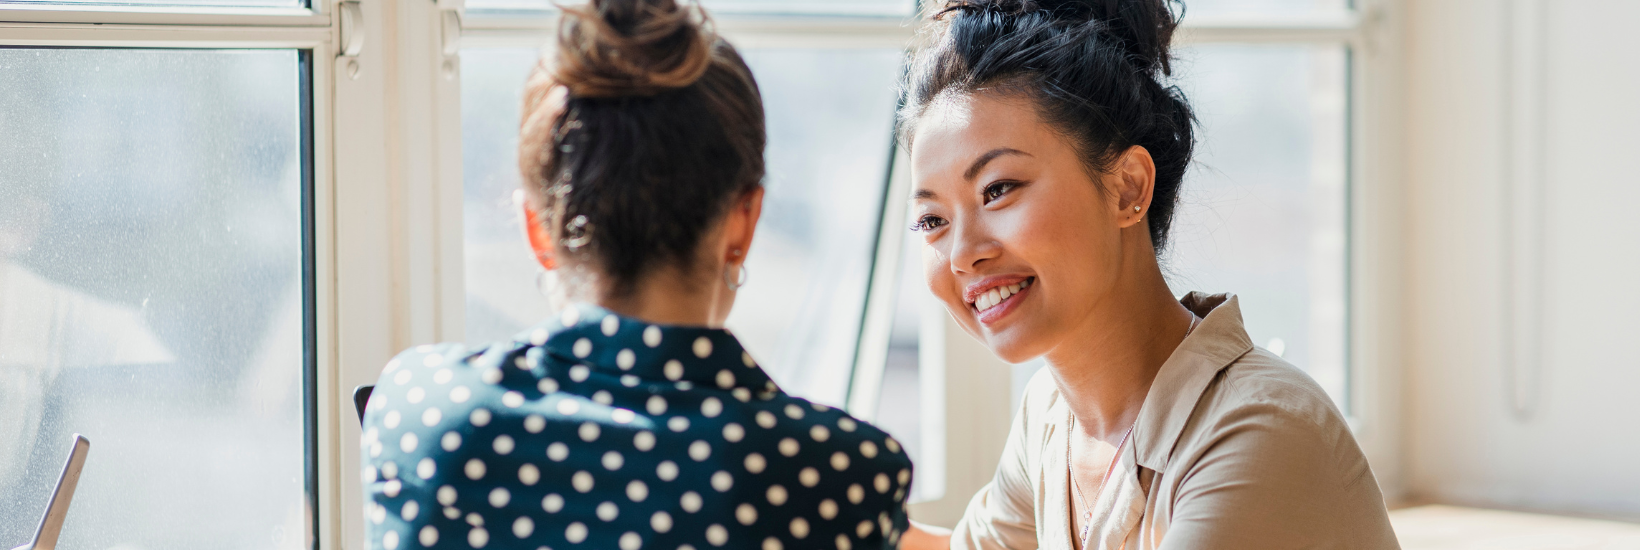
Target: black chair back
{"type": "Point", "coordinates": [361, 397]}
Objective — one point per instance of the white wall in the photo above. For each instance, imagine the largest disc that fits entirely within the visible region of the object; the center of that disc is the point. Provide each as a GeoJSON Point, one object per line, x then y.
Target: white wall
{"type": "Point", "coordinates": [1578, 451]}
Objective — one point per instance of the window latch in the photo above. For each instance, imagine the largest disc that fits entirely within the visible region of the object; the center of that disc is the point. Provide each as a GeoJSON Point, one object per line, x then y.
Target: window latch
{"type": "Point", "coordinates": [449, 14]}
{"type": "Point", "coordinates": [352, 28]}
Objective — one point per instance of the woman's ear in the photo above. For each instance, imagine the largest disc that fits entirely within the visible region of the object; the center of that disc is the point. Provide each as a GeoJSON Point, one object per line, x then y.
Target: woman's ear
{"type": "Point", "coordinates": [541, 242]}
{"type": "Point", "coordinates": [741, 224]}
{"type": "Point", "coordinates": [1133, 179]}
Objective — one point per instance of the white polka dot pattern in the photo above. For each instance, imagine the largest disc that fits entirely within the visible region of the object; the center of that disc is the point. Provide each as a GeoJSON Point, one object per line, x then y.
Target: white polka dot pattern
{"type": "Point", "coordinates": [595, 431]}
{"type": "Point", "coordinates": [666, 470]}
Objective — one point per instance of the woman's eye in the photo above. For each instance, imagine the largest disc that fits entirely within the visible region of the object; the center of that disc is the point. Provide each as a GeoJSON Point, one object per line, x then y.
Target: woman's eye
{"type": "Point", "coordinates": [997, 190]}
{"type": "Point", "coordinates": [927, 223]}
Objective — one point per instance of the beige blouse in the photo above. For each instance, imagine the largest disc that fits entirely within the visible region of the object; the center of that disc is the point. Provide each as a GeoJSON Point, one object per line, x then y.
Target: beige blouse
{"type": "Point", "coordinates": [1234, 448]}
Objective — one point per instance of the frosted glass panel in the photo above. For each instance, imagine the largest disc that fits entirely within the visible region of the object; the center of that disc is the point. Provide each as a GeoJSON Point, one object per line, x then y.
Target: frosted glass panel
{"type": "Point", "coordinates": [151, 296]}
{"type": "Point", "coordinates": [1264, 210]}
{"type": "Point", "coordinates": [830, 117]}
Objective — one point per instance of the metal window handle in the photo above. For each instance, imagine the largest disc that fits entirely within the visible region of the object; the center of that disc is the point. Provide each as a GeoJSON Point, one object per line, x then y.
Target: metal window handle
{"type": "Point", "coordinates": [51, 525]}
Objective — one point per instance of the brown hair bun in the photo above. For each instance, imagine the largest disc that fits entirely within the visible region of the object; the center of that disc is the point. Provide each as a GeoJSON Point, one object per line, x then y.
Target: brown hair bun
{"type": "Point", "coordinates": [616, 48]}
{"type": "Point", "coordinates": [637, 137]}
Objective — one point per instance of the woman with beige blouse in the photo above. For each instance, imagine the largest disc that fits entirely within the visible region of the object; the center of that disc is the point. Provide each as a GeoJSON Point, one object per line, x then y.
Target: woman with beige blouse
{"type": "Point", "coordinates": [1047, 155]}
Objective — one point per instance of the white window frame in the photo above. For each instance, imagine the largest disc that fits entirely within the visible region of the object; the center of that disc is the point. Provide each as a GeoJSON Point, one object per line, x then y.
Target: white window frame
{"type": "Point", "coordinates": [374, 122]}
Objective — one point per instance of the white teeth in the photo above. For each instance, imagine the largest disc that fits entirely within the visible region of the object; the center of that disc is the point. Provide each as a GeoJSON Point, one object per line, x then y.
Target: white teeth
{"type": "Point", "coordinates": [996, 295]}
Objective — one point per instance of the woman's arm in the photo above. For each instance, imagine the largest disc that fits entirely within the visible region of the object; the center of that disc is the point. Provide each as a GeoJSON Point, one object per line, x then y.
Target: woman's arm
{"type": "Point", "coordinates": [926, 537]}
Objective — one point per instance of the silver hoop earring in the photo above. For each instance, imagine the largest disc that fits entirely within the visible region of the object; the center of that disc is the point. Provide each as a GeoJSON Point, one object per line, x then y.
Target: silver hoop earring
{"type": "Point", "coordinates": [735, 283]}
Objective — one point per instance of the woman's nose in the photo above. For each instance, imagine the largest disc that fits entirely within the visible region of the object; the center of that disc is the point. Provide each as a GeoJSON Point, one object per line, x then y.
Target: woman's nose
{"type": "Point", "coordinates": [972, 245]}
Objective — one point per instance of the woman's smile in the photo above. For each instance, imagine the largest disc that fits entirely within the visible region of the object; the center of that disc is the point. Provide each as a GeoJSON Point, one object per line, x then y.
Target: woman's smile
{"type": "Point", "coordinates": [993, 298]}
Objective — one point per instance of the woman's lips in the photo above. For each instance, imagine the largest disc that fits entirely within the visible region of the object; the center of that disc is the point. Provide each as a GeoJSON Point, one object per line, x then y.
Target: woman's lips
{"type": "Point", "coordinates": [997, 302]}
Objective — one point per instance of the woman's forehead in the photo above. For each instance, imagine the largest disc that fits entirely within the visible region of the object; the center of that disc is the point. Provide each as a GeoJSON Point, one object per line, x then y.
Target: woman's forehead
{"type": "Point", "coordinates": [955, 132]}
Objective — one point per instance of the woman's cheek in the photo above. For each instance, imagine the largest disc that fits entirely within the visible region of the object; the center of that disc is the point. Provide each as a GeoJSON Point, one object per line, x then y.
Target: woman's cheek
{"type": "Point", "coordinates": [937, 272]}
{"type": "Point", "coordinates": [1047, 233]}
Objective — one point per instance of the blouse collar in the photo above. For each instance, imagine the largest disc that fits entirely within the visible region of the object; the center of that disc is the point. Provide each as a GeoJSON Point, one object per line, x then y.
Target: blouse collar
{"type": "Point", "coordinates": [593, 336]}
{"type": "Point", "coordinates": [1217, 342]}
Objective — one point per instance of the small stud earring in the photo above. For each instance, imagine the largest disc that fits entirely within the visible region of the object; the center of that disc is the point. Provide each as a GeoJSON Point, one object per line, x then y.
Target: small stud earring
{"type": "Point", "coordinates": [1135, 208]}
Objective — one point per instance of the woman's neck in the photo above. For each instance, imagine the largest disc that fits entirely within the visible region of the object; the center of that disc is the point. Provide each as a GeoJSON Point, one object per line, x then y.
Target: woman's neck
{"type": "Point", "coordinates": [1106, 366]}
{"type": "Point", "coordinates": [670, 298]}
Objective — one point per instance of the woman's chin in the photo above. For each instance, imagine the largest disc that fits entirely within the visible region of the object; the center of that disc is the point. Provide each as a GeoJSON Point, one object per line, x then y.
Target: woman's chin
{"type": "Point", "coordinates": [1013, 341]}
{"type": "Point", "coordinates": [1012, 344]}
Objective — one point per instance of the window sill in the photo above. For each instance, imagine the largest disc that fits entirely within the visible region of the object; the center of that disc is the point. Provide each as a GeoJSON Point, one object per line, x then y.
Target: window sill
{"type": "Point", "coordinates": [1439, 527]}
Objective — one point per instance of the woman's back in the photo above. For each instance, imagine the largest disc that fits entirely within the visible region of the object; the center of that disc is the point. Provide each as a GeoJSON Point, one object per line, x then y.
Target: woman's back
{"type": "Point", "coordinates": [607, 432]}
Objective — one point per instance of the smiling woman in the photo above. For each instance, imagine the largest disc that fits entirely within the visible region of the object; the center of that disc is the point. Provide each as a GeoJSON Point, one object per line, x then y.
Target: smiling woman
{"type": "Point", "coordinates": [1047, 157]}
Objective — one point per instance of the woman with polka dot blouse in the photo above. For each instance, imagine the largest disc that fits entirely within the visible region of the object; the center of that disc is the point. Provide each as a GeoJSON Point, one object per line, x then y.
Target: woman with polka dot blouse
{"type": "Point", "coordinates": [632, 419]}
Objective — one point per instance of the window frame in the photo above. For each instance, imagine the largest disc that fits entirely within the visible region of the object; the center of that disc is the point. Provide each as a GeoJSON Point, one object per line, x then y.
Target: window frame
{"type": "Point", "coordinates": [309, 31]}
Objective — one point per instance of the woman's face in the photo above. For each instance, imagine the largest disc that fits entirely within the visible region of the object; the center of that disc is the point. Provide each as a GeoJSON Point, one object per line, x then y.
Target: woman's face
{"type": "Point", "coordinates": [1024, 244]}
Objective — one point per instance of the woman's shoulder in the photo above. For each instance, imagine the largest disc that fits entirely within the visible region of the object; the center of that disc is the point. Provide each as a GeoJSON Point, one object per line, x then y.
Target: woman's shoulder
{"type": "Point", "coordinates": [454, 369]}
{"type": "Point", "coordinates": [827, 438]}
{"type": "Point", "coordinates": [1266, 441]}
{"type": "Point", "coordinates": [1283, 402]}
{"type": "Point", "coordinates": [1261, 377]}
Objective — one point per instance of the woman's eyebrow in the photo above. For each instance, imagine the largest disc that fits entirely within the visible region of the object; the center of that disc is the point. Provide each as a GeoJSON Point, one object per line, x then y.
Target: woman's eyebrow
{"type": "Point", "coordinates": [979, 163]}
{"type": "Point", "coordinates": [973, 169]}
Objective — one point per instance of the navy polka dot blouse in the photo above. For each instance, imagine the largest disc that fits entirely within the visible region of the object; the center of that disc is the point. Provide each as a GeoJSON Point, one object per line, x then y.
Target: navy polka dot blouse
{"type": "Point", "coordinates": [598, 431]}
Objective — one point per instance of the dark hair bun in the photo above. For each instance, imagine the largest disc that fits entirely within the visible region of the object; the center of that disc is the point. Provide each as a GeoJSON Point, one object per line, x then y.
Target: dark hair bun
{"type": "Point", "coordinates": [615, 48]}
{"type": "Point", "coordinates": [1144, 29]}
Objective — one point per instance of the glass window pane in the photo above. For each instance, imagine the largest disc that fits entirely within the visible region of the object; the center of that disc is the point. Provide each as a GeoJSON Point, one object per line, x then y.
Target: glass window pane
{"type": "Point", "coordinates": [1263, 212]}
{"type": "Point", "coordinates": [151, 295]}
{"type": "Point", "coordinates": [500, 272]}
{"type": "Point", "coordinates": [760, 7]}
{"type": "Point", "coordinates": [829, 7]}
{"type": "Point", "coordinates": [830, 117]}
{"type": "Point", "coordinates": [1195, 9]}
